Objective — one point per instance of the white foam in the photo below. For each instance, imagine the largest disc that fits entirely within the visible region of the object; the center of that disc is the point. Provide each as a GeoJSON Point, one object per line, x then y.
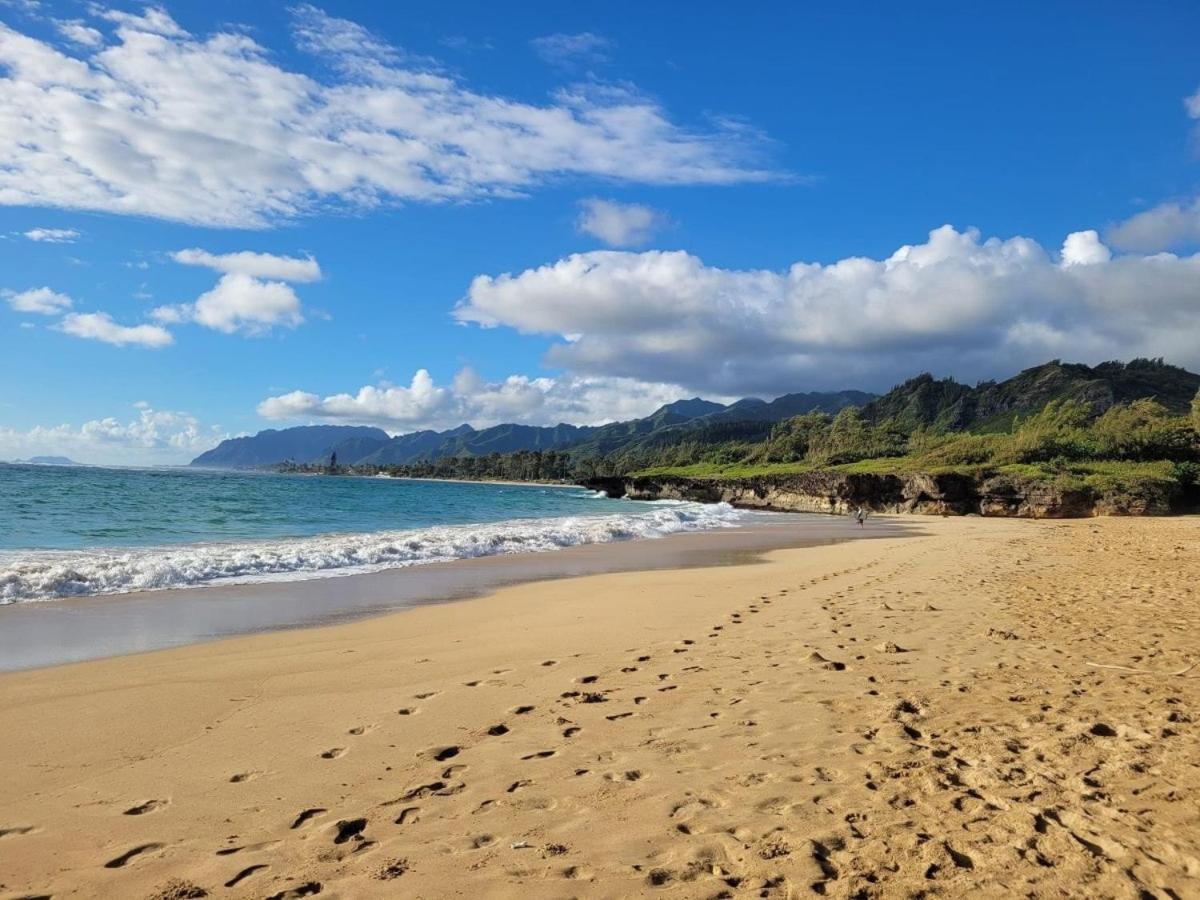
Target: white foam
{"type": "Point", "coordinates": [49, 575]}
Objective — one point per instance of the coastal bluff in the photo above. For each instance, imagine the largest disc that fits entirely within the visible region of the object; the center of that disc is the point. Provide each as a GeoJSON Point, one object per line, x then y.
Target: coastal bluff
{"type": "Point", "coordinates": [921, 494]}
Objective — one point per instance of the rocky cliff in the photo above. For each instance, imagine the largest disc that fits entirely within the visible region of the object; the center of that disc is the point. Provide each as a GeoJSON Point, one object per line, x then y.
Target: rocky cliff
{"type": "Point", "coordinates": [840, 493]}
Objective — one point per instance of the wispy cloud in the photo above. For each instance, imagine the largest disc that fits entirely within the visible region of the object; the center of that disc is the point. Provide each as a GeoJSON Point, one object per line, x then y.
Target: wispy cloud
{"type": "Point", "coordinates": [53, 235]}
{"type": "Point", "coordinates": [572, 49]}
{"type": "Point", "coordinates": [212, 130]}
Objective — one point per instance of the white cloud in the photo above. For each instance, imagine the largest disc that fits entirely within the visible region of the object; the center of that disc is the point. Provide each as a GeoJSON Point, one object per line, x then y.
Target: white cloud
{"type": "Point", "coordinates": [53, 235]}
{"type": "Point", "coordinates": [1161, 227]}
{"type": "Point", "coordinates": [214, 131]}
{"type": "Point", "coordinates": [151, 437]}
{"type": "Point", "coordinates": [956, 304]}
{"type": "Point", "coordinates": [470, 398]}
{"type": "Point", "coordinates": [572, 49]}
{"type": "Point", "coordinates": [1083, 248]}
{"type": "Point", "coordinates": [618, 224]}
{"type": "Point", "coordinates": [100, 327]}
{"type": "Point", "coordinates": [1167, 225]}
{"type": "Point", "coordinates": [77, 32]}
{"type": "Point", "coordinates": [255, 265]}
{"type": "Point", "coordinates": [42, 301]}
{"type": "Point", "coordinates": [242, 301]}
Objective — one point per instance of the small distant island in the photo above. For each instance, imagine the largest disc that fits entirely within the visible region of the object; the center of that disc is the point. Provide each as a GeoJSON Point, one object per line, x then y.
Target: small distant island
{"type": "Point", "coordinates": [47, 461]}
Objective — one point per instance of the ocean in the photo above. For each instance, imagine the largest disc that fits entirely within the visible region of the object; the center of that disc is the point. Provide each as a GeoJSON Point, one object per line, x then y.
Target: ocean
{"type": "Point", "coordinates": [81, 531]}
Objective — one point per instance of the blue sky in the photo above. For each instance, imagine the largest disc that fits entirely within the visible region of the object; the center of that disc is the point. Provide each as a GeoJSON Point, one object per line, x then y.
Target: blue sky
{"type": "Point", "coordinates": [572, 211]}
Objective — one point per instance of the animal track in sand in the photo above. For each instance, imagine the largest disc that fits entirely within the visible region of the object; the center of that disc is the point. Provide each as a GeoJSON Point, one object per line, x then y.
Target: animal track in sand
{"type": "Point", "coordinates": [245, 873]}
{"type": "Point", "coordinates": [333, 753]}
{"type": "Point", "coordinates": [128, 856]}
{"type": "Point", "coordinates": [306, 814]}
{"type": "Point", "coordinates": [148, 807]}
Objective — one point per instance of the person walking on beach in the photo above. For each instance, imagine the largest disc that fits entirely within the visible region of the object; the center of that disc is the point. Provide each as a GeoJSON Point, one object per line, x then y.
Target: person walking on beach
{"type": "Point", "coordinates": [860, 516]}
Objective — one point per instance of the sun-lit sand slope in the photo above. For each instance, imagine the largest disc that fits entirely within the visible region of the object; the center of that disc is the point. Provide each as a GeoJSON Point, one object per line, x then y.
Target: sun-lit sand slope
{"type": "Point", "coordinates": [939, 715]}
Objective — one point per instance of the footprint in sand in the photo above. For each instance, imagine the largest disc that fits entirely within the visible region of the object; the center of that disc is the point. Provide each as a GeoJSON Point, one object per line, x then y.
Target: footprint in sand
{"type": "Point", "coordinates": [521, 710]}
{"type": "Point", "coordinates": [148, 807]}
{"type": "Point", "coordinates": [308, 889]}
{"type": "Point", "coordinates": [359, 730]}
{"type": "Point", "coordinates": [426, 695]}
{"type": "Point", "coordinates": [17, 830]}
{"type": "Point", "coordinates": [334, 753]}
{"type": "Point", "coordinates": [405, 711]}
{"type": "Point", "coordinates": [128, 856]}
{"type": "Point", "coordinates": [245, 873]}
{"type": "Point", "coordinates": [307, 814]}
{"type": "Point", "coordinates": [348, 829]}
{"type": "Point", "coordinates": [409, 815]}
{"type": "Point", "coordinates": [242, 777]}
{"type": "Point", "coordinates": [497, 730]}
{"type": "Point", "coordinates": [541, 754]}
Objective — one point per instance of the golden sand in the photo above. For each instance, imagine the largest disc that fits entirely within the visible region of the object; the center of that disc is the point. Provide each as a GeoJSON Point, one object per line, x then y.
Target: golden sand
{"type": "Point", "coordinates": [988, 708]}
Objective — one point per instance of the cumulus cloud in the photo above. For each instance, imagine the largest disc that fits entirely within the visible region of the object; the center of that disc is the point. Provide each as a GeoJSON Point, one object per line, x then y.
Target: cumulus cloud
{"type": "Point", "coordinates": [150, 437]}
{"type": "Point", "coordinates": [1167, 225]}
{"type": "Point", "coordinates": [242, 300]}
{"type": "Point", "coordinates": [618, 224]}
{"type": "Point", "coordinates": [470, 398]}
{"type": "Point", "coordinates": [254, 265]}
{"type": "Point", "coordinates": [53, 235]}
{"type": "Point", "coordinates": [42, 301]}
{"type": "Point", "coordinates": [572, 49]}
{"type": "Point", "coordinates": [99, 326]}
{"type": "Point", "coordinates": [1084, 248]}
{"type": "Point", "coordinates": [213, 130]}
{"type": "Point", "coordinates": [956, 304]}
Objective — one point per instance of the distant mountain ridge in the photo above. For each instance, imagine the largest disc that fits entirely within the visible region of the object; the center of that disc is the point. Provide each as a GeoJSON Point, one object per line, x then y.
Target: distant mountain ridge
{"type": "Point", "coordinates": [947, 405]}
{"type": "Point", "coordinates": [924, 401]}
{"type": "Point", "coordinates": [361, 445]}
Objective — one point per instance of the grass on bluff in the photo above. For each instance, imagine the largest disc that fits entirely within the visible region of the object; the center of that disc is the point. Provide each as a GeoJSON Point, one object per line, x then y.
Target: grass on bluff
{"type": "Point", "coordinates": [1132, 445]}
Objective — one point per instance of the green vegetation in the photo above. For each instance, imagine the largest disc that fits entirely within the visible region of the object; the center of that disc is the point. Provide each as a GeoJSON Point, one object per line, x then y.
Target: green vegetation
{"type": "Point", "coordinates": [1115, 427]}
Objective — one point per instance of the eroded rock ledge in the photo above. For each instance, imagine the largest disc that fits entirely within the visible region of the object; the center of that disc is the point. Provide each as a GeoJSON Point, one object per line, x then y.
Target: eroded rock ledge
{"type": "Point", "coordinates": [840, 493]}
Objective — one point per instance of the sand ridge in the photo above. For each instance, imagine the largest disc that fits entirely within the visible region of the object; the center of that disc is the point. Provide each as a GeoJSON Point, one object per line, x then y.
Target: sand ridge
{"type": "Point", "coordinates": [929, 716]}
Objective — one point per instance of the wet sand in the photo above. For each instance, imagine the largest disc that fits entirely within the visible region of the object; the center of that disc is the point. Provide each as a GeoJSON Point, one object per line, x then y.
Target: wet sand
{"type": "Point", "coordinates": [985, 708]}
{"type": "Point", "coordinates": [34, 634]}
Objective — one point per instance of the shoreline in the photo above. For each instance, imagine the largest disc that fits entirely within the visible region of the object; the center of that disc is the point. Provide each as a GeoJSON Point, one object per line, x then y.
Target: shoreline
{"type": "Point", "coordinates": [980, 707]}
{"type": "Point", "coordinates": [70, 630]}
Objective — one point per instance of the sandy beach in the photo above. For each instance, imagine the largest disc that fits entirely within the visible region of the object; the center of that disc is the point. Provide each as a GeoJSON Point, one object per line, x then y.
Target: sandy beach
{"type": "Point", "coordinates": [993, 708]}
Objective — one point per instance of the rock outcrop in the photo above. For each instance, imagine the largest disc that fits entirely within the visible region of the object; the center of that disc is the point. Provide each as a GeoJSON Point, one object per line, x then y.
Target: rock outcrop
{"type": "Point", "coordinates": [840, 493]}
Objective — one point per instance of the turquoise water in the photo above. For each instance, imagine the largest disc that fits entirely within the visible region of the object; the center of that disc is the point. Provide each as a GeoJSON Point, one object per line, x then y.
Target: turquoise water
{"type": "Point", "coordinates": [78, 531]}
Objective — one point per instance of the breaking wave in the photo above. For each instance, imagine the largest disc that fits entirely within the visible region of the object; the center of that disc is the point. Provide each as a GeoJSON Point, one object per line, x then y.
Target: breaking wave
{"type": "Point", "coordinates": [50, 575]}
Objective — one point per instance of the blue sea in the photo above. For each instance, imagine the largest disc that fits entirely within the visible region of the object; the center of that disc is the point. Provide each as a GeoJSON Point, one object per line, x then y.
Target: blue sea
{"type": "Point", "coordinates": [79, 531]}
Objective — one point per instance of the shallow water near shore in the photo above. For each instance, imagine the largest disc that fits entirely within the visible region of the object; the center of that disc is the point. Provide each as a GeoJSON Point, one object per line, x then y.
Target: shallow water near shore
{"type": "Point", "coordinates": [72, 630]}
